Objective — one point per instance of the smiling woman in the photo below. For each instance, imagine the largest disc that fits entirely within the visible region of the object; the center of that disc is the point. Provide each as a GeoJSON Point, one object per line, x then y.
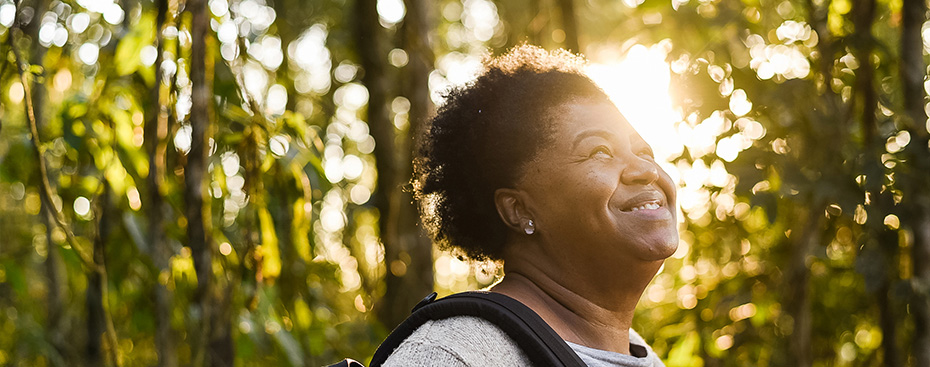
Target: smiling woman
{"type": "Point", "coordinates": [619, 195]}
{"type": "Point", "coordinates": [532, 164]}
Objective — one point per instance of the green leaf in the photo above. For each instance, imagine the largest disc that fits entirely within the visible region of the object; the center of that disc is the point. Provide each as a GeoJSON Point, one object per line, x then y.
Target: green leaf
{"type": "Point", "coordinates": [685, 352]}
{"type": "Point", "coordinates": [130, 46]}
{"type": "Point", "coordinates": [271, 255]}
{"type": "Point", "coordinates": [36, 70]}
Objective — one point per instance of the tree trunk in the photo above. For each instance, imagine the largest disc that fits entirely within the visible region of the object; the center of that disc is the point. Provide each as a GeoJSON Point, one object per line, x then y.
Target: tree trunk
{"type": "Point", "coordinates": [863, 17]}
{"type": "Point", "coordinates": [881, 202]}
{"type": "Point", "coordinates": [889, 326]}
{"type": "Point", "coordinates": [95, 324]}
{"type": "Point", "coordinates": [414, 246]}
{"type": "Point", "coordinates": [221, 348]}
{"type": "Point", "coordinates": [913, 72]}
{"type": "Point", "coordinates": [369, 36]}
{"type": "Point", "coordinates": [407, 255]}
{"type": "Point", "coordinates": [570, 25]}
{"type": "Point", "coordinates": [920, 305]}
{"type": "Point", "coordinates": [99, 324]}
{"type": "Point", "coordinates": [56, 322]}
{"type": "Point", "coordinates": [887, 242]}
{"type": "Point", "coordinates": [913, 68]}
{"type": "Point", "coordinates": [194, 174]}
{"type": "Point", "coordinates": [156, 131]}
{"type": "Point", "coordinates": [798, 301]}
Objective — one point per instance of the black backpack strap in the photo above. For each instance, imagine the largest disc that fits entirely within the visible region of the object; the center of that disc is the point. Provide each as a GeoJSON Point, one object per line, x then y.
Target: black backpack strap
{"type": "Point", "coordinates": [535, 338]}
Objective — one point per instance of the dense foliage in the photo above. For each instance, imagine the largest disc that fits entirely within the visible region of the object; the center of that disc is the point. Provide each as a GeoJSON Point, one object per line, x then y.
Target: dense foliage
{"type": "Point", "coordinates": [223, 182]}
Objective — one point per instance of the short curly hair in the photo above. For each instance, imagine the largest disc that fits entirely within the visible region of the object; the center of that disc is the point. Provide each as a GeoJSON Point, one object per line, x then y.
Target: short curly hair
{"type": "Point", "coordinates": [482, 137]}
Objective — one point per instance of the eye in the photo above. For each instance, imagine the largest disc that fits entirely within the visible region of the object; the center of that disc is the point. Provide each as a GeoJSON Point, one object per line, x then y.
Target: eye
{"type": "Point", "coordinates": [601, 152]}
{"type": "Point", "coordinates": [647, 152]}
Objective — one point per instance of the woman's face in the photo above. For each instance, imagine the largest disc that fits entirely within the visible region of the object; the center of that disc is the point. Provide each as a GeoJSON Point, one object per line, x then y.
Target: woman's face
{"type": "Point", "coordinates": [596, 194]}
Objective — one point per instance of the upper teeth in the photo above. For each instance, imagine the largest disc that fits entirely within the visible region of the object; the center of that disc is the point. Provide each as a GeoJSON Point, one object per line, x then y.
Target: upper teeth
{"type": "Point", "coordinates": [652, 205]}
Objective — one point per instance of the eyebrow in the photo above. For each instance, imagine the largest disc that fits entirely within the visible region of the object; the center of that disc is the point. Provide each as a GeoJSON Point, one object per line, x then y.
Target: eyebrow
{"type": "Point", "coordinates": [604, 134]}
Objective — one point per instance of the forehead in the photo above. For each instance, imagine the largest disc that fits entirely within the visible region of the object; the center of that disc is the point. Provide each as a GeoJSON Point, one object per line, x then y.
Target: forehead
{"type": "Point", "coordinates": [576, 117]}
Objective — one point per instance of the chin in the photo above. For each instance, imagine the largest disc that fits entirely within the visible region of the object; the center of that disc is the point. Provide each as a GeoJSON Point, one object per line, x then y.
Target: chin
{"type": "Point", "coordinates": [662, 249]}
{"type": "Point", "coordinates": [668, 250]}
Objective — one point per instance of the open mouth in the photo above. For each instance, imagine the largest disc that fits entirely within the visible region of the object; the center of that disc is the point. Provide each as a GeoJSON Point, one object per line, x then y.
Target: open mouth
{"type": "Point", "coordinates": [649, 200]}
{"type": "Point", "coordinates": [650, 205]}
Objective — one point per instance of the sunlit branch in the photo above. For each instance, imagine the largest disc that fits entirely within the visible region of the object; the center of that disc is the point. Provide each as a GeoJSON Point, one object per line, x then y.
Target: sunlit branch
{"type": "Point", "coordinates": [46, 189]}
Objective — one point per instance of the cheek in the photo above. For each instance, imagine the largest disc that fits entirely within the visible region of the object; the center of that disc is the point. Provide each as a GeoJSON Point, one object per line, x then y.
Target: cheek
{"type": "Point", "coordinates": [596, 188]}
{"type": "Point", "coordinates": [671, 189]}
{"type": "Point", "coordinates": [580, 200]}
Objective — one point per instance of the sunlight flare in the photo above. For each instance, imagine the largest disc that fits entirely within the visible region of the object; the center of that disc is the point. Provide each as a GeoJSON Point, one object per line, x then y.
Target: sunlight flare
{"type": "Point", "coordinates": [638, 84]}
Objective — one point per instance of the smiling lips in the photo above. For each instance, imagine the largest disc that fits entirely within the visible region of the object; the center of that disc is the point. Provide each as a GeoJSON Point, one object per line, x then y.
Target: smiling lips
{"type": "Point", "coordinates": [651, 200]}
{"type": "Point", "coordinates": [649, 205]}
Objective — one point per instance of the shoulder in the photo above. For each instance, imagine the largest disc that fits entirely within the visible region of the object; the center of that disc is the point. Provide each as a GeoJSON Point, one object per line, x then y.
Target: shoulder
{"type": "Point", "coordinates": [458, 341]}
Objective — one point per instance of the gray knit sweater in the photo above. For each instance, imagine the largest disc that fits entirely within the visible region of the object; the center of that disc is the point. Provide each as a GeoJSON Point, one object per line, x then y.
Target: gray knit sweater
{"type": "Point", "coordinates": [466, 341]}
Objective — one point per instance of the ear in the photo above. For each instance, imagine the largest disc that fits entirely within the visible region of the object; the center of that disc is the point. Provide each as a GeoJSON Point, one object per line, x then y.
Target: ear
{"type": "Point", "coordinates": [511, 206]}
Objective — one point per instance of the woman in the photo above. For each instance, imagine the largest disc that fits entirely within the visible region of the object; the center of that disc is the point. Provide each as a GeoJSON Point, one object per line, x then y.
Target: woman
{"type": "Point", "coordinates": [533, 165]}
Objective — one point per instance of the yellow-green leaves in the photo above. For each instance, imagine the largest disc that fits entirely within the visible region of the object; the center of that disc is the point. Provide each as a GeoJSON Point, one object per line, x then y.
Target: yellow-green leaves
{"type": "Point", "coordinates": [128, 58]}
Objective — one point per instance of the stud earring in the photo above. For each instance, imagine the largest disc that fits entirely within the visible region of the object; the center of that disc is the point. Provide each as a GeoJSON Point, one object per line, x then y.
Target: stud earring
{"type": "Point", "coordinates": [529, 227]}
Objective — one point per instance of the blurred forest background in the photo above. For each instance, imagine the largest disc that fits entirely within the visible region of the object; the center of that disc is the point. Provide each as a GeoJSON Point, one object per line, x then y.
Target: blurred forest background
{"type": "Point", "coordinates": [221, 182]}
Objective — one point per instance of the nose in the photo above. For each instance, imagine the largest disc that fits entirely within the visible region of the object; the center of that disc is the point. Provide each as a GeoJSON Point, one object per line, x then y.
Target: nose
{"type": "Point", "coordinates": [639, 171]}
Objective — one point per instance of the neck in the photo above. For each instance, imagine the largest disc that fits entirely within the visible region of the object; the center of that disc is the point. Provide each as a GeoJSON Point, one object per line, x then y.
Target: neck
{"type": "Point", "coordinates": [595, 311]}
